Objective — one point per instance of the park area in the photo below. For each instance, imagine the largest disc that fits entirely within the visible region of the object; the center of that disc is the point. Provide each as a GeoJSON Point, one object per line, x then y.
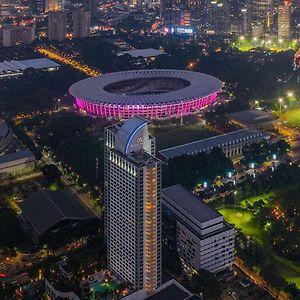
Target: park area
{"type": "Point", "coordinates": [242, 218]}
{"type": "Point", "coordinates": [293, 117]}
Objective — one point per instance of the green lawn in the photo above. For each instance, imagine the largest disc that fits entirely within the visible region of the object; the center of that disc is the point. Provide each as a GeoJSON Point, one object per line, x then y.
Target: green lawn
{"type": "Point", "coordinates": [288, 269]}
{"type": "Point", "coordinates": [264, 197]}
{"type": "Point", "coordinates": [167, 137]}
{"type": "Point", "coordinates": [293, 117]}
{"type": "Point", "coordinates": [242, 219]}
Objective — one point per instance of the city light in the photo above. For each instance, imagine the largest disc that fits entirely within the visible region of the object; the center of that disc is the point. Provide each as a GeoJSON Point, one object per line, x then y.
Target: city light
{"type": "Point", "coordinates": [68, 61]}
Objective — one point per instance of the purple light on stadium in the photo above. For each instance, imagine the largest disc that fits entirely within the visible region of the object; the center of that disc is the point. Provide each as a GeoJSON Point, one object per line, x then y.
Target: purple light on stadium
{"type": "Point", "coordinates": [153, 94]}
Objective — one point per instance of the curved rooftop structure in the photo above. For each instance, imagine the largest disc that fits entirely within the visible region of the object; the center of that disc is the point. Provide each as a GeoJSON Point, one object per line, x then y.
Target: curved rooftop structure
{"type": "Point", "coordinates": [153, 93]}
{"type": "Point", "coordinates": [6, 135]}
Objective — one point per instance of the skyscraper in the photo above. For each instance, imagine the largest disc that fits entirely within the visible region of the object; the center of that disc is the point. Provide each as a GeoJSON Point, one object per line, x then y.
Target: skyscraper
{"type": "Point", "coordinates": [132, 204]}
{"type": "Point", "coordinates": [93, 5]}
{"type": "Point", "coordinates": [245, 21]}
{"type": "Point", "coordinates": [262, 13]}
{"type": "Point", "coordinates": [81, 23]}
{"type": "Point", "coordinates": [218, 17]}
{"type": "Point", "coordinates": [57, 25]}
{"type": "Point", "coordinates": [284, 21]}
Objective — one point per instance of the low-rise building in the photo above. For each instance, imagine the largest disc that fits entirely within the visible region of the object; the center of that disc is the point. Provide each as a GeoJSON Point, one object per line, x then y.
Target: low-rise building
{"type": "Point", "coordinates": [203, 239]}
{"type": "Point", "coordinates": [231, 143]}
{"type": "Point", "coordinates": [45, 213]}
{"type": "Point", "coordinates": [15, 68]}
{"type": "Point", "coordinates": [16, 163]}
{"type": "Point", "coordinates": [169, 290]}
{"type": "Point", "coordinates": [146, 54]}
{"type": "Point", "coordinates": [253, 118]}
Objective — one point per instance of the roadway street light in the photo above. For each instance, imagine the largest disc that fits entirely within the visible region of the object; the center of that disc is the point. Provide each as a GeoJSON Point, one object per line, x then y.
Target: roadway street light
{"type": "Point", "coordinates": [280, 100]}
{"type": "Point", "coordinates": [290, 96]}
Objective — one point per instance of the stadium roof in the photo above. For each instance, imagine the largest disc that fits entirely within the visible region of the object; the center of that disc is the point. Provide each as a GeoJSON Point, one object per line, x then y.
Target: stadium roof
{"type": "Point", "coordinates": [208, 144]}
{"type": "Point", "coordinates": [46, 208]}
{"type": "Point", "coordinates": [21, 65]}
{"type": "Point", "coordinates": [194, 85]}
{"type": "Point", "coordinates": [145, 53]}
{"type": "Point", "coordinates": [187, 201]}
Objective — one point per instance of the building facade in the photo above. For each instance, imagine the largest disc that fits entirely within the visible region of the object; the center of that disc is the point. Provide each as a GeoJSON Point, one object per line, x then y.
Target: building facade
{"type": "Point", "coordinates": [231, 143]}
{"type": "Point", "coordinates": [132, 205]}
{"type": "Point", "coordinates": [57, 26]}
{"type": "Point", "coordinates": [284, 21]}
{"type": "Point", "coordinates": [16, 35]}
{"type": "Point", "coordinates": [203, 239]}
{"type": "Point", "coordinates": [81, 23]}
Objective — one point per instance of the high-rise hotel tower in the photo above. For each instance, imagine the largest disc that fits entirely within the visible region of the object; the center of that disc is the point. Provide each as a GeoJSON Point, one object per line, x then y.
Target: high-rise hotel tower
{"type": "Point", "coordinates": [133, 204]}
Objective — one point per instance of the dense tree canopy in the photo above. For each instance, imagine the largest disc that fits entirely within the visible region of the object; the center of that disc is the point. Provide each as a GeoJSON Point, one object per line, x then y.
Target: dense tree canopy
{"type": "Point", "coordinates": [189, 170]}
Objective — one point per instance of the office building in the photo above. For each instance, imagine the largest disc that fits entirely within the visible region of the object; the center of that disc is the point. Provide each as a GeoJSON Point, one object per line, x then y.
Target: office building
{"type": "Point", "coordinates": [93, 6]}
{"type": "Point", "coordinates": [218, 17]}
{"type": "Point", "coordinates": [132, 184]}
{"type": "Point", "coordinates": [16, 35]}
{"type": "Point", "coordinates": [57, 26]}
{"type": "Point", "coordinates": [262, 13]}
{"type": "Point", "coordinates": [231, 143]}
{"type": "Point", "coordinates": [203, 239]}
{"type": "Point", "coordinates": [284, 21]}
{"type": "Point", "coordinates": [257, 31]}
{"type": "Point", "coordinates": [169, 12]}
{"type": "Point", "coordinates": [245, 21]}
{"type": "Point", "coordinates": [81, 23]}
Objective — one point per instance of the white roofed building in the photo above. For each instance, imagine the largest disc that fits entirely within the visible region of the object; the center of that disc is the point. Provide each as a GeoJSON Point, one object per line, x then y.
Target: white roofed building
{"type": "Point", "coordinates": [17, 67]}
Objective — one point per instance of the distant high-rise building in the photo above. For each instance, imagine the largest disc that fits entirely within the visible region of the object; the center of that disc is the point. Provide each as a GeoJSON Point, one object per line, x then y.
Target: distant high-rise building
{"type": "Point", "coordinates": [262, 13]}
{"type": "Point", "coordinates": [132, 203]}
{"type": "Point", "coordinates": [284, 21]}
{"type": "Point", "coordinates": [245, 21]}
{"type": "Point", "coordinates": [57, 25]}
{"type": "Point", "coordinates": [15, 35]}
{"type": "Point", "coordinates": [93, 5]}
{"type": "Point", "coordinates": [170, 12]}
{"type": "Point", "coordinates": [218, 17]}
{"type": "Point", "coordinates": [54, 5]}
{"type": "Point", "coordinates": [81, 23]}
{"type": "Point", "coordinates": [257, 31]}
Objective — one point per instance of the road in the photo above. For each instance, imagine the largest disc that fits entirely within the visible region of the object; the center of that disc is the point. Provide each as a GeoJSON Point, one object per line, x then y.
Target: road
{"type": "Point", "coordinates": [73, 189]}
{"type": "Point", "coordinates": [292, 136]}
{"type": "Point", "coordinates": [68, 61]}
{"type": "Point", "coordinates": [280, 295]}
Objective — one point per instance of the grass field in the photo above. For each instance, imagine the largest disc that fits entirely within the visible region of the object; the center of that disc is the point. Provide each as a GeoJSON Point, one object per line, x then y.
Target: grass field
{"type": "Point", "coordinates": [167, 137]}
{"type": "Point", "coordinates": [293, 117]}
{"type": "Point", "coordinates": [264, 197]}
{"type": "Point", "coordinates": [242, 219]}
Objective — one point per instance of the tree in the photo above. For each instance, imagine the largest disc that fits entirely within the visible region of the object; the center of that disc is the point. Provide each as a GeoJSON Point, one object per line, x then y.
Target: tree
{"type": "Point", "coordinates": [206, 283]}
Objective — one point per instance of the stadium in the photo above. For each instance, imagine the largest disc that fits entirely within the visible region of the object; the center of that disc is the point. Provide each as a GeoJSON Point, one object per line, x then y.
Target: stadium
{"type": "Point", "coordinates": [153, 94]}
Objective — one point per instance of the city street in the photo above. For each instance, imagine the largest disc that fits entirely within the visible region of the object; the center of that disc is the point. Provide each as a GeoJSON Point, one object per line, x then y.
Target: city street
{"type": "Point", "coordinates": [84, 198]}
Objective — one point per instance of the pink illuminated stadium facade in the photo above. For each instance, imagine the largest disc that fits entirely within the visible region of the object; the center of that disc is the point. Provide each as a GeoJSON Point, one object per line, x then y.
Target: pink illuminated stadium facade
{"type": "Point", "coordinates": [153, 94]}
